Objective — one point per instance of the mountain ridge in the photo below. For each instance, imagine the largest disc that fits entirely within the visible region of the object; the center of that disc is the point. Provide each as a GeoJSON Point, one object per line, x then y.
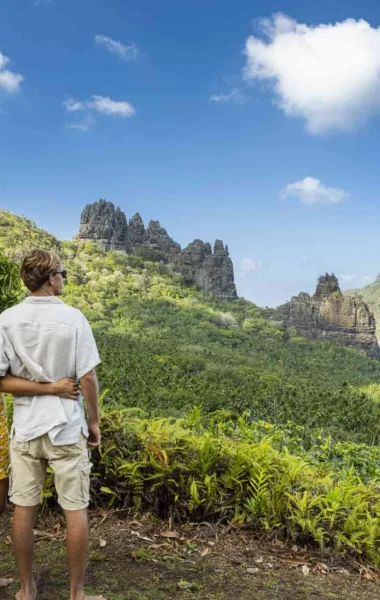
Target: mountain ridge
{"type": "Point", "coordinates": [210, 269]}
{"type": "Point", "coordinates": [328, 316]}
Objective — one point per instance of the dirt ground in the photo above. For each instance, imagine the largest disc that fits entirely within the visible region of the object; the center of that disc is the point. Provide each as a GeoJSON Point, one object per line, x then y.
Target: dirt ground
{"type": "Point", "coordinates": [142, 559]}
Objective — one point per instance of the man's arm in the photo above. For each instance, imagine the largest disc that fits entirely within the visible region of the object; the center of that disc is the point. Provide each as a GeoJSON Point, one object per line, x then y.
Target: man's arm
{"type": "Point", "coordinates": [90, 392]}
{"type": "Point", "coordinates": [65, 388]}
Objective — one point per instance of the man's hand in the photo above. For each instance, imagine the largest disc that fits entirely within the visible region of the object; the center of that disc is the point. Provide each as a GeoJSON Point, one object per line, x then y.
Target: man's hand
{"type": "Point", "coordinates": [65, 388]}
{"type": "Point", "coordinates": [94, 435]}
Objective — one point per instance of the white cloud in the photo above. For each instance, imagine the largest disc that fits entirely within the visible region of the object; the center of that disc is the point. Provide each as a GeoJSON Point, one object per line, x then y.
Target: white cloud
{"type": "Point", "coordinates": [83, 125]}
{"type": "Point", "coordinates": [124, 52]}
{"type": "Point", "coordinates": [311, 191]}
{"type": "Point", "coordinates": [234, 97]}
{"type": "Point", "coordinates": [328, 74]}
{"type": "Point", "coordinates": [248, 265]}
{"type": "Point", "coordinates": [107, 106]}
{"type": "Point", "coordinates": [101, 104]}
{"type": "Point", "coordinates": [72, 105]}
{"type": "Point", "coordinates": [9, 81]}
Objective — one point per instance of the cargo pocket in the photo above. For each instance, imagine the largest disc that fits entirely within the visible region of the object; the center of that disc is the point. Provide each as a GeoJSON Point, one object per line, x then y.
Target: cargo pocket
{"type": "Point", "coordinates": [10, 479]}
{"type": "Point", "coordinates": [85, 483]}
{"type": "Point", "coordinates": [19, 446]}
{"type": "Point", "coordinates": [68, 450]}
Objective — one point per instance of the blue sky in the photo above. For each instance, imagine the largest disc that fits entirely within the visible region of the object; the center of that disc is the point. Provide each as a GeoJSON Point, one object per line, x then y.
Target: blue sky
{"type": "Point", "coordinates": [272, 147]}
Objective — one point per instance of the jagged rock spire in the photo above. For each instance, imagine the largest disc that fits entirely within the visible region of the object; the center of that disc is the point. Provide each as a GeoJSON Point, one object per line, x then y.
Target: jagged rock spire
{"type": "Point", "coordinates": [102, 223]}
{"type": "Point", "coordinates": [211, 270]}
{"type": "Point", "coordinates": [136, 232]}
{"type": "Point", "coordinates": [331, 316]}
{"type": "Point", "coordinates": [157, 238]}
{"type": "Point", "coordinates": [327, 284]}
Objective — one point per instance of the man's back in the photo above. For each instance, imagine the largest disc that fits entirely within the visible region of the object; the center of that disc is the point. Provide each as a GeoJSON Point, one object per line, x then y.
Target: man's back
{"type": "Point", "coordinates": [43, 339]}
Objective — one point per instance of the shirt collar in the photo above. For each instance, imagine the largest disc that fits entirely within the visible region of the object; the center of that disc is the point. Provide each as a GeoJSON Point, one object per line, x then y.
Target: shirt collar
{"type": "Point", "coordinates": [42, 300]}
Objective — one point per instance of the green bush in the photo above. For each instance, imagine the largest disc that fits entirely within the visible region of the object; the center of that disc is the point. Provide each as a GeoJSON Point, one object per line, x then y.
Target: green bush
{"type": "Point", "coordinates": [10, 285]}
{"type": "Point", "coordinates": [218, 469]}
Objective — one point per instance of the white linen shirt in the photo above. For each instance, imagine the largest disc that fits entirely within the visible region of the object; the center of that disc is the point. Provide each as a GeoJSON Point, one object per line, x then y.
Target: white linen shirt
{"type": "Point", "coordinates": [42, 339]}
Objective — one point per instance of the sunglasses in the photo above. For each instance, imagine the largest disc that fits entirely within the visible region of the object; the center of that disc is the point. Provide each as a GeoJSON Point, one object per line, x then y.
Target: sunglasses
{"type": "Point", "coordinates": [63, 273]}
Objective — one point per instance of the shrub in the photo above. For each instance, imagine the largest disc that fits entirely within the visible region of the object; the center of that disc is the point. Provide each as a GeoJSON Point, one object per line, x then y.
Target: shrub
{"type": "Point", "coordinates": [219, 469]}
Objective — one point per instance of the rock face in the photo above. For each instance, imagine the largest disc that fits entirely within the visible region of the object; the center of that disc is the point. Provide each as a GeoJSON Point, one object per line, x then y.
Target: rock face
{"type": "Point", "coordinates": [328, 315]}
{"type": "Point", "coordinates": [212, 271]}
{"type": "Point", "coordinates": [102, 223]}
{"type": "Point", "coordinates": [135, 233]}
{"type": "Point", "coordinates": [156, 238]}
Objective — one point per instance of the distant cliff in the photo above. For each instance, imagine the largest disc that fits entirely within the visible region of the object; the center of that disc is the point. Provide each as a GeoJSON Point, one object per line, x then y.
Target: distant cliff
{"type": "Point", "coordinates": [370, 294]}
{"type": "Point", "coordinates": [210, 269]}
{"type": "Point", "coordinates": [330, 315]}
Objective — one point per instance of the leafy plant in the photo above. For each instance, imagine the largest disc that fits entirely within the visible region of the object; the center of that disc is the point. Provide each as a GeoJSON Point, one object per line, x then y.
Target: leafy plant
{"type": "Point", "coordinates": [210, 411]}
{"type": "Point", "coordinates": [10, 285]}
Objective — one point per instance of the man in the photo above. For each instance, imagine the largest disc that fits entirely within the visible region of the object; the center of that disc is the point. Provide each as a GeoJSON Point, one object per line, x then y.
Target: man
{"type": "Point", "coordinates": [44, 340]}
{"type": "Point", "coordinates": [66, 388]}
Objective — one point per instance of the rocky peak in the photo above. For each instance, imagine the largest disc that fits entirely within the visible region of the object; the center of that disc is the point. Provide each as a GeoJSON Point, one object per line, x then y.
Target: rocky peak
{"type": "Point", "coordinates": [219, 248]}
{"type": "Point", "coordinates": [102, 223]}
{"type": "Point", "coordinates": [327, 284]}
{"type": "Point", "coordinates": [330, 316]}
{"type": "Point", "coordinates": [136, 232]}
{"type": "Point", "coordinates": [219, 270]}
{"type": "Point", "coordinates": [136, 221]}
{"type": "Point", "coordinates": [157, 238]}
{"type": "Point", "coordinates": [195, 253]}
{"type": "Point", "coordinates": [211, 271]}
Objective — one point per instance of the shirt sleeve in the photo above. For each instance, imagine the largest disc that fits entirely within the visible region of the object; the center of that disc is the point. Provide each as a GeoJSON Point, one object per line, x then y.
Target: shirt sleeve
{"type": "Point", "coordinates": [4, 360]}
{"type": "Point", "coordinates": [87, 357]}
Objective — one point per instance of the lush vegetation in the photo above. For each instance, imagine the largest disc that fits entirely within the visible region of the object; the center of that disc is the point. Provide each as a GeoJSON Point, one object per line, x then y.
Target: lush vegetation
{"type": "Point", "coordinates": [167, 346]}
{"type": "Point", "coordinates": [211, 411]}
{"type": "Point", "coordinates": [10, 286]}
{"type": "Point", "coordinates": [220, 467]}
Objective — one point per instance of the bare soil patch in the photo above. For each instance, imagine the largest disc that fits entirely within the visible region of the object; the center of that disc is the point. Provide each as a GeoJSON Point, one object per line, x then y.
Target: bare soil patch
{"type": "Point", "coordinates": [140, 558]}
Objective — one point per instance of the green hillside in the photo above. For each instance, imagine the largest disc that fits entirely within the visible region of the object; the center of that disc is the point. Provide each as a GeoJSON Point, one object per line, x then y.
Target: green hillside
{"type": "Point", "coordinates": [209, 411]}
{"type": "Point", "coordinates": [167, 347]}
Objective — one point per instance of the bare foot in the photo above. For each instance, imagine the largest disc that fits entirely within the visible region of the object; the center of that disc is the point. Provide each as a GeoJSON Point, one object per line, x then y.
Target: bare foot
{"type": "Point", "coordinates": [23, 596]}
{"type": "Point", "coordinates": [5, 582]}
{"type": "Point", "coordinates": [93, 598]}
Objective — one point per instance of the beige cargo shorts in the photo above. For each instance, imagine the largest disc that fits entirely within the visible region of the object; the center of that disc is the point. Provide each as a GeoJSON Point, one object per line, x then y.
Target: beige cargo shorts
{"type": "Point", "coordinates": [71, 466]}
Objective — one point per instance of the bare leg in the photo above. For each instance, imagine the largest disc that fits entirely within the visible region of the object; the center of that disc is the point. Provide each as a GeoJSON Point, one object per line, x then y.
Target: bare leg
{"type": "Point", "coordinates": [3, 495]}
{"type": "Point", "coordinates": [3, 504]}
{"type": "Point", "coordinates": [77, 543]}
{"type": "Point", "coordinates": [23, 542]}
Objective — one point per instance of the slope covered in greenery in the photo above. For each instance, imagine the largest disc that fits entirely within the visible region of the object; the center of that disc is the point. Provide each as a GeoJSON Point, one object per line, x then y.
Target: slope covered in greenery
{"type": "Point", "coordinates": [276, 444]}
{"type": "Point", "coordinates": [166, 347]}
